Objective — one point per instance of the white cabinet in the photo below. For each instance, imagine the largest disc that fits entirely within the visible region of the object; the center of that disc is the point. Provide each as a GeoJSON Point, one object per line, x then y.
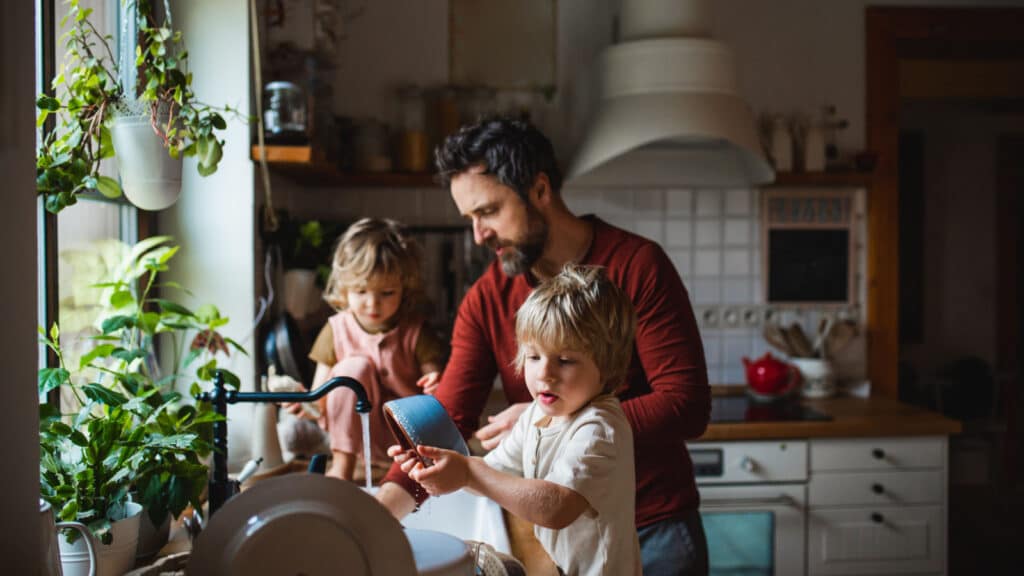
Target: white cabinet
{"type": "Point", "coordinates": [877, 506]}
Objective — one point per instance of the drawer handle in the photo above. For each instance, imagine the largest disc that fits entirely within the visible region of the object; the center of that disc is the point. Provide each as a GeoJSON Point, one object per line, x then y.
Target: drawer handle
{"type": "Point", "coordinates": [878, 453]}
{"type": "Point", "coordinates": [877, 488]}
{"type": "Point", "coordinates": [877, 518]}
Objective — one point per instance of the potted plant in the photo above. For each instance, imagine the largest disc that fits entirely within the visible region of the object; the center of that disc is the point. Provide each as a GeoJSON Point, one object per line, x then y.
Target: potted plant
{"type": "Point", "coordinates": [149, 125]}
{"type": "Point", "coordinates": [132, 432]}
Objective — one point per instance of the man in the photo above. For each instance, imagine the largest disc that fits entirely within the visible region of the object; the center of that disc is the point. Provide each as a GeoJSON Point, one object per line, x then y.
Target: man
{"type": "Point", "coordinates": [503, 176]}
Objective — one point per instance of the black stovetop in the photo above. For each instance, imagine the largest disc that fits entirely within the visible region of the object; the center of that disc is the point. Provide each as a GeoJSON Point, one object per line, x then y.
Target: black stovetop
{"type": "Point", "coordinates": [746, 409]}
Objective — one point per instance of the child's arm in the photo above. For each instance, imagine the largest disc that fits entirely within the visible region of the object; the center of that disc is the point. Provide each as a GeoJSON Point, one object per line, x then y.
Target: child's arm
{"type": "Point", "coordinates": [431, 377]}
{"type": "Point", "coordinates": [538, 501]}
{"type": "Point", "coordinates": [323, 371]}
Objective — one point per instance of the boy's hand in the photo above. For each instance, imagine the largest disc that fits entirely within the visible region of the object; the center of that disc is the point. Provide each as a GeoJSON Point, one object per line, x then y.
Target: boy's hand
{"type": "Point", "coordinates": [499, 425]}
{"type": "Point", "coordinates": [449, 472]}
{"type": "Point", "coordinates": [429, 382]}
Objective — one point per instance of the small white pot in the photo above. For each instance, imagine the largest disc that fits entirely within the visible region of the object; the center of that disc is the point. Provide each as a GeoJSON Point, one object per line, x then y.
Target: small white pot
{"type": "Point", "coordinates": [114, 559]}
{"type": "Point", "coordinates": [819, 380]}
{"type": "Point", "coordinates": [150, 178]}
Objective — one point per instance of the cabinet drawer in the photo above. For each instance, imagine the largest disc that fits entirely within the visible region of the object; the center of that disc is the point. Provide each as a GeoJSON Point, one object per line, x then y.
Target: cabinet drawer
{"type": "Point", "coordinates": [882, 540]}
{"type": "Point", "coordinates": [878, 454]}
{"type": "Point", "coordinates": [876, 488]}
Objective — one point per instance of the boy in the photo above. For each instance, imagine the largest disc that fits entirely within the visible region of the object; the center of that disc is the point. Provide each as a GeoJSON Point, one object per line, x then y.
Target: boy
{"type": "Point", "coordinates": [567, 465]}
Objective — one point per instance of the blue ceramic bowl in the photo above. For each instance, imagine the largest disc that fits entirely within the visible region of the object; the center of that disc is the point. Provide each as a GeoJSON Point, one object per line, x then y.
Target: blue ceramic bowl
{"type": "Point", "coordinates": [422, 421]}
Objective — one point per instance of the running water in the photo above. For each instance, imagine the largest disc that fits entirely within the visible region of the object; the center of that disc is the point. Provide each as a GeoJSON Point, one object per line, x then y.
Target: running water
{"type": "Point", "coordinates": [365, 416]}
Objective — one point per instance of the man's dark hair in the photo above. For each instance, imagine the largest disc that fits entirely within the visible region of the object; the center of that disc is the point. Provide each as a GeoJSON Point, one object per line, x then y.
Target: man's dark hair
{"type": "Point", "coordinates": [513, 151]}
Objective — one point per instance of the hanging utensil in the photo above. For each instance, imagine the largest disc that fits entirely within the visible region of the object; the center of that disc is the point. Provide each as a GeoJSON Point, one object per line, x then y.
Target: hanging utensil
{"type": "Point", "coordinates": [840, 336]}
{"type": "Point", "coordinates": [799, 342]}
{"type": "Point", "coordinates": [774, 336]}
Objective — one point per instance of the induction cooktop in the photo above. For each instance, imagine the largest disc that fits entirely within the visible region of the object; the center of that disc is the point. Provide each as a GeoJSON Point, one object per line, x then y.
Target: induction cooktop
{"type": "Point", "coordinates": [746, 409]}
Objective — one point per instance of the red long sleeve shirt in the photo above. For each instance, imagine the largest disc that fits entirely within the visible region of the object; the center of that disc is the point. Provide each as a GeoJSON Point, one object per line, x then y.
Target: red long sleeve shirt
{"type": "Point", "coordinates": [667, 399]}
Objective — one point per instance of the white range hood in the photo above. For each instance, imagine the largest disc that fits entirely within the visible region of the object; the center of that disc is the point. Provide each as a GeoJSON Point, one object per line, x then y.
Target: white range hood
{"type": "Point", "coordinates": [670, 114]}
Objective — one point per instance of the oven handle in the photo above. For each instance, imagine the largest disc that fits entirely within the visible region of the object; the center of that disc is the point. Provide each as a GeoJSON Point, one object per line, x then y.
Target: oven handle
{"type": "Point", "coordinates": [780, 500]}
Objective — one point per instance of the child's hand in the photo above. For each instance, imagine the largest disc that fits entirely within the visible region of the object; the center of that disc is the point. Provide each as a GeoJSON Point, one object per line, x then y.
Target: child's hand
{"type": "Point", "coordinates": [429, 382]}
{"type": "Point", "coordinates": [449, 472]}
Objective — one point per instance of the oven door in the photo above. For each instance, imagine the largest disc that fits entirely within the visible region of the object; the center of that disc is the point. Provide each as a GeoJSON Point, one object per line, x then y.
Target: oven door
{"type": "Point", "coordinates": [754, 530]}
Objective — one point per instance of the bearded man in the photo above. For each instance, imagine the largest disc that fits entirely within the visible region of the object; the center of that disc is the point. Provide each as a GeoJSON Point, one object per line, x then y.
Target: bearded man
{"type": "Point", "coordinates": [504, 178]}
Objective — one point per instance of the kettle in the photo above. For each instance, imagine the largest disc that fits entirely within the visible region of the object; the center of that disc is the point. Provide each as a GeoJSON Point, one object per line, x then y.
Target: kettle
{"type": "Point", "coordinates": [769, 378]}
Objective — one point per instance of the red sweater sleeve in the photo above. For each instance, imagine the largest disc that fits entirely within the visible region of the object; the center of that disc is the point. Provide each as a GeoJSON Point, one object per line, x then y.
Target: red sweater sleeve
{"type": "Point", "coordinates": [669, 350]}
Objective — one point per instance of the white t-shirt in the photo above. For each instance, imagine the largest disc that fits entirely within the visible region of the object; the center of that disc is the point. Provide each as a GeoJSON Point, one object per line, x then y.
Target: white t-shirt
{"type": "Point", "coordinates": [591, 454]}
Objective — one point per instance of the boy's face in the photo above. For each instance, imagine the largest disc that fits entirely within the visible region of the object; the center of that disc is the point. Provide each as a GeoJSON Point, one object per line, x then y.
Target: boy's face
{"type": "Point", "coordinates": [561, 381]}
{"type": "Point", "coordinates": [376, 302]}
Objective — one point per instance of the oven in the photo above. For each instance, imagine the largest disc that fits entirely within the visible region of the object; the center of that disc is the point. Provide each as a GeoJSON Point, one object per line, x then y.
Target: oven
{"type": "Point", "coordinates": [753, 501]}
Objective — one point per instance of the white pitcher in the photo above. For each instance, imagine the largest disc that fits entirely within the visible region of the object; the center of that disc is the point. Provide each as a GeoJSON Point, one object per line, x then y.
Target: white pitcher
{"type": "Point", "coordinates": [49, 550]}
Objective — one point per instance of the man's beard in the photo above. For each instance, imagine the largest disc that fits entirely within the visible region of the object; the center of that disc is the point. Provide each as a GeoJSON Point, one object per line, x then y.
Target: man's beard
{"type": "Point", "coordinates": [519, 257]}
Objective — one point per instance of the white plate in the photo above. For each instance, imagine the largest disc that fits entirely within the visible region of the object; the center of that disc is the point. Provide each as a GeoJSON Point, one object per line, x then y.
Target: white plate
{"type": "Point", "coordinates": [302, 524]}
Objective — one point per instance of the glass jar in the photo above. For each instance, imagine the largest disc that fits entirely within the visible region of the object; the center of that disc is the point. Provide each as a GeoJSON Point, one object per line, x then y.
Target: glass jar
{"type": "Point", "coordinates": [284, 113]}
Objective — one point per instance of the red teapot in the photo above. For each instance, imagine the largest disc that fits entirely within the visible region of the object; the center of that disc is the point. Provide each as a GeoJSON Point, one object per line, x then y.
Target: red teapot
{"type": "Point", "coordinates": [770, 377]}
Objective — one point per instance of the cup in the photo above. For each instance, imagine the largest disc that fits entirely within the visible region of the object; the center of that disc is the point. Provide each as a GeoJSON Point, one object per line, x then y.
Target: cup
{"type": "Point", "coordinates": [49, 548]}
{"type": "Point", "coordinates": [818, 378]}
{"type": "Point", "coordinates": [421, 420]}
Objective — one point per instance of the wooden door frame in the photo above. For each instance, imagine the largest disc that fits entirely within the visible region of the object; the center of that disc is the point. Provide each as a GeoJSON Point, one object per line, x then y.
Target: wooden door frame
{"type": "Point", "coordinates": [891, 34]}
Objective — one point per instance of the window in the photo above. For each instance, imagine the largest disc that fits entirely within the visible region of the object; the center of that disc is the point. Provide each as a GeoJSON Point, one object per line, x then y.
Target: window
{"type": "Point", "coordinates": [80, 245]}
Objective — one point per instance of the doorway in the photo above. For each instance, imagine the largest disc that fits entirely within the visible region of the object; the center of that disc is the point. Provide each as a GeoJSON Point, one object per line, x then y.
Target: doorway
{"type": "Point", "coordinates": [945, 101]}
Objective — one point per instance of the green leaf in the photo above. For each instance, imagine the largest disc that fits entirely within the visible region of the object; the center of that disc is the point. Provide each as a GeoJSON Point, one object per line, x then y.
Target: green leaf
{"type": "Point", "coordinates": [48, 103]}
{"type": "Point", "coordinates": [103, 395]}
{"type": "Point", "coordinates": [54, 332]}
{"type": "Point", "coordinates": [108, 186]}
{"type": "Point", "coordinates": [207, 313]}
{"type": "Point", "coordinates": [121, 298]}
{"type": "Point", "coordinates": [230, 378]}
{"type": "Point", "coordinates": [101, 351]}
{"type": "Point", "coordinates": [51, 378]}
{"type": "Point", "coordinates": [69, 513]}
{"type": "Point", "coordinates": [115, 323]}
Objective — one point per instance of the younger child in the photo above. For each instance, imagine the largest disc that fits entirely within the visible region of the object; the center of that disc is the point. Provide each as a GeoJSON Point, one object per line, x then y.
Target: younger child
{"type": "Point", "coordinates": [567, 464]}
{"type": "Point", "coordinates": [377, 337]}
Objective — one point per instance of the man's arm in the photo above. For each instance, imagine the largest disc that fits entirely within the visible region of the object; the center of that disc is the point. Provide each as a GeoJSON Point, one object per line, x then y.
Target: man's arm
{"type": "Point", "coordinates": [670, 351]}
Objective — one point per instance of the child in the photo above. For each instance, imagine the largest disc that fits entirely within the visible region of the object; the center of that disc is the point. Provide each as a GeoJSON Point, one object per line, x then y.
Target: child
{"type": "Point", "coordinates": [567, 464]}
{"type": "Point", "coordinates": [377, 337]}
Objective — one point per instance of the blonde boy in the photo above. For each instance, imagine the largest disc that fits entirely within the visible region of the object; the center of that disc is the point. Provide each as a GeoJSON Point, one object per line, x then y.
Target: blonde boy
{"type": "Point", "coordinates": [567, 465]}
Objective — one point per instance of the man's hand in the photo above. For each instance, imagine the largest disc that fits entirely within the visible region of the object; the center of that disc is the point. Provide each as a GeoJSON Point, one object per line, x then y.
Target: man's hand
{"type": "Point", "coordinates": [448, 473]}
{"type": "Point", "coordinates": [499, 425]}
{"type": "Point", "coordinates": [429, 382]}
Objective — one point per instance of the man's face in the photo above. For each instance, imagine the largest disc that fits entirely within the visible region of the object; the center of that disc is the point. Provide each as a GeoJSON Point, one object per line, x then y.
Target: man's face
{"type": "Point", "coordinates": [502, 221]}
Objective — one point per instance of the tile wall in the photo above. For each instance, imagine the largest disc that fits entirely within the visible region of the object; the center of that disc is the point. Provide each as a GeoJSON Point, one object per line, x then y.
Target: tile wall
{"type": "Point", "coordinates": [712, 236]}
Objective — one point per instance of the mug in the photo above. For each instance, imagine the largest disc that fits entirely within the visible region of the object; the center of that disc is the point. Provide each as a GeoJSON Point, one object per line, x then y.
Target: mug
{"type": "Point", "coordinates": [50, 553]}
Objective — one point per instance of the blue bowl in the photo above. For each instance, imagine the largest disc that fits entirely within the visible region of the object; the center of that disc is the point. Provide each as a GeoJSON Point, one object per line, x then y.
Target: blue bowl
{"type": "Point", "coordinates": [422, 421]}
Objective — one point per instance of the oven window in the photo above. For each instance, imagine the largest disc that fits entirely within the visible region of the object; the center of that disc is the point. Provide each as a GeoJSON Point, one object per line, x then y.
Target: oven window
{"type": "Point", "coordinates": [740, 543]}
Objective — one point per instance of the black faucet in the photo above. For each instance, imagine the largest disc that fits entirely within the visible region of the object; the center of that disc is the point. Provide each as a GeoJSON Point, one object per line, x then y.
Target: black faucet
{"type": "Point", "coordinates": [220, 486]}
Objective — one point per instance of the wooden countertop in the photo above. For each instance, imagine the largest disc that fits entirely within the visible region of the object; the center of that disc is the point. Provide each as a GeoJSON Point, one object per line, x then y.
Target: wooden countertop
{"type": "Point", "coordinates": [851, 418]}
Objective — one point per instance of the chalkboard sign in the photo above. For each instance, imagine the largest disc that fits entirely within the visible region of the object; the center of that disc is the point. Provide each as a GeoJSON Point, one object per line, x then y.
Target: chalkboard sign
{"type": "Point", "coordinates": [808, 246]}
{"type": "Point", "coordinates": [808, 265]}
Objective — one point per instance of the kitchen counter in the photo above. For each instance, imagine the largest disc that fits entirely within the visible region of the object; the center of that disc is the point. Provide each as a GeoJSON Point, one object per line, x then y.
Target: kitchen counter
{"type": "Point", "coordinates": [851, 418]}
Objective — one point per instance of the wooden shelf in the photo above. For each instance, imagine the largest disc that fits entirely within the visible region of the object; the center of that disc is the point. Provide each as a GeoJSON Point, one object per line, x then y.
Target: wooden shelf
{"type": "Point", "coordinates": [824, 179]}
{"type": "Point", "coordinates": [302, 164]}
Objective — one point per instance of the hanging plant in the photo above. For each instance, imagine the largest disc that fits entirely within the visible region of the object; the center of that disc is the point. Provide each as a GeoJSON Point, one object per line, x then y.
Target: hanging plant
{"type": "Point", "coordinates": [90, 97]}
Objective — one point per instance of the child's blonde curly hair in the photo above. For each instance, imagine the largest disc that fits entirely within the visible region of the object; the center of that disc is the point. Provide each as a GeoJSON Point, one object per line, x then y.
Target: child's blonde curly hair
{"type": "Point", "coordinates": [375, 247]}
{"type": "Point", "coordinates": [580, 309]}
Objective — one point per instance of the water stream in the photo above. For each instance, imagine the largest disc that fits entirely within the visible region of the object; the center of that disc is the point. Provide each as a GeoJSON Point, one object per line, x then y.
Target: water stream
{"type": "Point", "coordinates": [366, 448]}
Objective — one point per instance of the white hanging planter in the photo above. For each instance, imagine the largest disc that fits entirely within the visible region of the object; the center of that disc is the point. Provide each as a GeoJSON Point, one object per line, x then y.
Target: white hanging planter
{"type": "Point", "coordinates": [150, 178]}
{"type": "Point", "coordinates": [114, 559]}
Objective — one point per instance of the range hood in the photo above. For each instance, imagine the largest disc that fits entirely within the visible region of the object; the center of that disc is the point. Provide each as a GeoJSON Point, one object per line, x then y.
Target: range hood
{"type": "Point", "coordinates": [670, 114]}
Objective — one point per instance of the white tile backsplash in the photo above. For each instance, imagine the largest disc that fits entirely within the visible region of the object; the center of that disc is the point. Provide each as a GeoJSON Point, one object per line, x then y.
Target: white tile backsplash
{"type": "Point", "coordinates": [683, 263]}
{"type": "Point", "coordinates": [737, 262]}
{"type": "Point", "coordinates": [737, 232]}
{"type": "Point", "coordinates": [708, 263]}
{"type": "Point", "coordinates": [679, 202]}
{"type": "Point", "coordinates": [709, 233]}
{"type": "Point", "coordinates": [678, 233]}
{"type": "Point", "coordinates": [651, 228]}
{"type": "Point", "coordinates": [706, 291]}
{"type": "Point", "coordinates": [648, 202]}
{"type": "Point", "coordinates": [737, 202]}
{"type": "Point", "coordinates": [737, 291]}
{"type": "Point", "coordinates": [709, 202]}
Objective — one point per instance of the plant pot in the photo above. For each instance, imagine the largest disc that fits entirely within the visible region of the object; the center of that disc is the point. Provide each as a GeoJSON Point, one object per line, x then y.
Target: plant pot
{"type": "Point", "coordinates": [151, 538]}
{"type": "Point", "coordinates": [114, 559]}
{"type": "Point", "coordinates": [150, 178]}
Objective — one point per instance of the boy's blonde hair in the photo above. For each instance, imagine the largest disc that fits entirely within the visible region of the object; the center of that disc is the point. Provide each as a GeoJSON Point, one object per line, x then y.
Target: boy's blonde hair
{"type": "Point", "coordinates": [580, 309]}
{"type": "Point", "coordinates": [375, 247]}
